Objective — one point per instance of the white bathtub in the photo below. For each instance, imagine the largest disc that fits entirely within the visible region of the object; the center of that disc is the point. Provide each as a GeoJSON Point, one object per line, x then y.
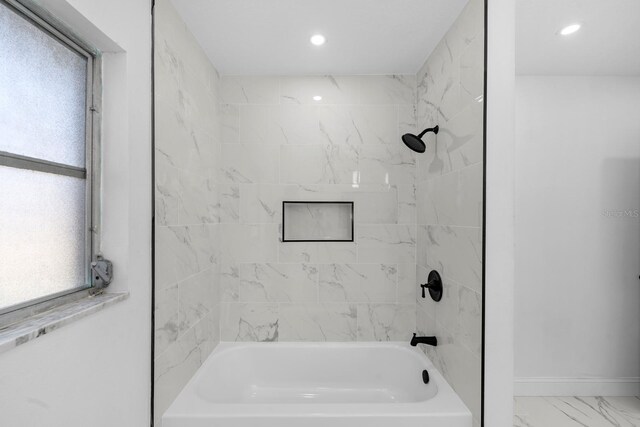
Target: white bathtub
{"type": "Point", "coordinates": [316, 385]}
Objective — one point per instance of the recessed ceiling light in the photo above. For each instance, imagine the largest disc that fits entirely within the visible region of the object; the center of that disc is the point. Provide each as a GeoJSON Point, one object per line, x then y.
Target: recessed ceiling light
{"type": "Point", "coordinates": [570, 29]}
{"type": "Point", "coordinates": [317, 98]}
{"type": "Point", "coordinates": [318, 39]}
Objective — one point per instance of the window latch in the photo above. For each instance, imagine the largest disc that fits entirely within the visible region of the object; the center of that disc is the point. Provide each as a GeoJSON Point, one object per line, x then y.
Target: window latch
{"type": "Point", "coordinates": [101, 272]}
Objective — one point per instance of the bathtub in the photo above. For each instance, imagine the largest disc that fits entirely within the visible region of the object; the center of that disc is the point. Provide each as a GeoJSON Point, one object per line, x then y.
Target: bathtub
{"type": "Point", "coordinates": [316, 385]}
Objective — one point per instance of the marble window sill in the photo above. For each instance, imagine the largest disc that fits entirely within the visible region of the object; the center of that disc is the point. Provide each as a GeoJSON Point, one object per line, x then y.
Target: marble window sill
{"type": "Point", "coordinates": [40, 324]}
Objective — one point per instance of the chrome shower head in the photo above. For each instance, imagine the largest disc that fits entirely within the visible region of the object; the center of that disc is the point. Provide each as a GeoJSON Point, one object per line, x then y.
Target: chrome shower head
{"type": "Point", "coordinates": [415, 142]}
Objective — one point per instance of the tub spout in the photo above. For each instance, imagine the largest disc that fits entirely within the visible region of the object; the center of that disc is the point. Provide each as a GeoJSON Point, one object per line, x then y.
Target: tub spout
{"type": "Point", "coordinates": [423, 340]}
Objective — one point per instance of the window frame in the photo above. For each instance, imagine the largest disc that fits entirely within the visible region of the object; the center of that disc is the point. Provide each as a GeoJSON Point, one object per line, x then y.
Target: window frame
{"type": "Point", "coordinates": [45, 22]}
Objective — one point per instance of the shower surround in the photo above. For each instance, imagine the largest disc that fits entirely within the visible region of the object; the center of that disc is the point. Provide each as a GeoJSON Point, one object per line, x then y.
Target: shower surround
{"type": "Point", "coordinates": [280, 144]}
{"type": "Point", "coordinates": [187, 156]}
{"type": "Point", "coordinates": [230, 149]}
{"type": "Point", "coordinates": [449, 202]}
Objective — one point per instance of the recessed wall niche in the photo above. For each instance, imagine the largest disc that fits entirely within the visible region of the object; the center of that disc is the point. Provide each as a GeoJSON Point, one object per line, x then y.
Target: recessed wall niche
{"type": "Point", "coordinates": [304, 221]}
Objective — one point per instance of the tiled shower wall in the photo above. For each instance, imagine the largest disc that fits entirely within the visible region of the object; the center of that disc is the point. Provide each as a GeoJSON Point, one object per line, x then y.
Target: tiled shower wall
{"type": "Point", "coordinates": [230, 150]}
{"type": "Point", "coordinates": [449, 202]}
{"type": "Point", "coordinates": [187, 155]}
{"type": "Point", "coordinates": [279, 144]}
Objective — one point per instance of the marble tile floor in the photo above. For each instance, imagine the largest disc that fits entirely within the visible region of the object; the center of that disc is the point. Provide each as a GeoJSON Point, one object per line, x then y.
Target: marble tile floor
{"type": "Point", "coordinates": [577, 411]}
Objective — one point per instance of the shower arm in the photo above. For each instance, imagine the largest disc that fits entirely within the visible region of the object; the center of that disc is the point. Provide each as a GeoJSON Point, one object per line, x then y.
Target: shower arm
{"type": "Point", "coordinates": [433, 129]}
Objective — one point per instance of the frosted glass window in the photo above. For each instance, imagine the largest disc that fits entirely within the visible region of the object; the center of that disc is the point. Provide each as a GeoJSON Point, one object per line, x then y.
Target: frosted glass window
{"type": "Point", "coordinates": [42, 234]}
{"type": "Point", "coordinates": [43, 87]}
{"type": "Point", "coordinates": [317, 222]}
{"type": "Point", "coordinates": [45, 184]}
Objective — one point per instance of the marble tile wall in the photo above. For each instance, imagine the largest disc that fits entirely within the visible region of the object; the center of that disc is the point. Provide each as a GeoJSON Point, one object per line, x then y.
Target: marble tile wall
{"type": "Point", "coordinates": [279, 144]}
{"type": "Point", "coordinates": [187, 162]}
{"type": "Point", "coordinates": [229, 150]}
{"type": "Point", "coordinates": [449, 202]}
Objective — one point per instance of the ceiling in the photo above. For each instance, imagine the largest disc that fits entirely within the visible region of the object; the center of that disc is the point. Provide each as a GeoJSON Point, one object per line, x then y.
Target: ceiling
{"type": "Point", "coordinates": [271, 37]}
{"type": "Point", "coordinates": [607, 44]}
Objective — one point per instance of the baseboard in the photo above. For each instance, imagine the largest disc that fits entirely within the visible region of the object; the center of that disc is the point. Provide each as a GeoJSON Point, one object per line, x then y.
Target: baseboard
{"type": "Point", "coordinates": [559, 386]}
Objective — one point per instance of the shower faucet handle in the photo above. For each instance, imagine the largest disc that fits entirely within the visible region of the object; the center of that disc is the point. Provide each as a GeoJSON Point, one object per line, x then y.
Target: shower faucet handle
{"type": "Point", "coordinates": [426, 286]}
{"type": "Point", "coordinates": [434, 284]}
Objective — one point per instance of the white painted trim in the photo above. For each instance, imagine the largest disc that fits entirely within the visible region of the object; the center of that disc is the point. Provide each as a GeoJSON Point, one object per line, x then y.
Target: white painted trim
{"type": "Point", "coordinates": [570, 386]}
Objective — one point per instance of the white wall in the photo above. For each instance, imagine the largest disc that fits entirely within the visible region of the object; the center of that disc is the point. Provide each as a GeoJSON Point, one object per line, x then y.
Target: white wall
{"type": "Point", "coordinates": [577, 257]}
{"type": "Point", "coordinates": [96, 372]}
{"type": "Point", "coordinates": [499, 222]}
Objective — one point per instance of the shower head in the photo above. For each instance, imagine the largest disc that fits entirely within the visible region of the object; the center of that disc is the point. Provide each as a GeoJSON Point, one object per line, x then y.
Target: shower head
{"type": "Point", "coordinates": [415, 142]}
